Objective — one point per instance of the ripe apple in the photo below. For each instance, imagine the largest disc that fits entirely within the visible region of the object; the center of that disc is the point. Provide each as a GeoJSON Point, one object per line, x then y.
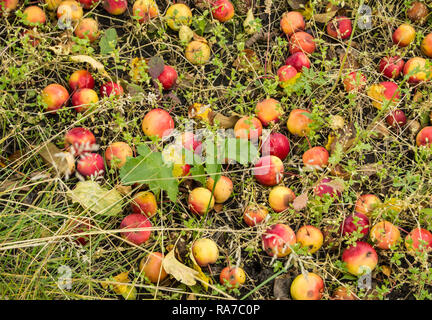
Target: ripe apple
{"type": "Point", "coordinates": [81, 79]}
{"type": "Point", "coordinates": [385, 235]}
{"type": "Point", "coordinates": [339, 27]}
{"type": "Point", "coordinates": [82, 99]}
{"type": "Point", "coordinates": [316, 158]}
{"type": "Point", "coordinates": [254, 214]}
{"type": "Point", "coordinates": [268, 111]}
{"type": "Point", "coordinates": [277, 240]}
{"type": "Point", "coordinates": [88, 4]}
{"type": "Point", "coordinates": [8, 5]}
{"type": "Point", "coordinates": [151, 267]}
{"type": "Point", "coordinates": [201, 201]}
{"type": "Point", "coordinates": [233, 277]}
{"type": "Point", "coordinates": [360, 258]}
{"type": "Point", "coordinates": [310, 237]}
{"type": "Point", "coordinates": [111, 89]}
{"type": "Point", "coordinates": [301, 42]}
{"type": "Point", "coordinates": [144, 202]}
{"type": "Point", "coordinates": [70, 9]}
{"type": "Point", "coordinates": [367, 203]}
{"type": "Point", "coordinates": [327, 186]}
{"type": "Point", "coordinates": [136, 221]}
{"type": "Point", "coordinates": [205, 251]}
{"type": "Point", "coordinates": [80, 140]}
{"type": "Point", "coordinates": [177, 15]}
{"type": "Point", "coordinates": [280, 198]}
{"type": "Point", "coordinates": [222, 10]}
{"type": "Point", "coordinates": [223, 189]}
{"type": "Point", "coordinates": [287, 76]}
{"type": "Point", "coordinates": [298, 122]}
{"type": "Point", "coordinates": [291, 22]}
{"type": "Point", "coordinates": [382, 92]}
{"type": "Point", "coordinates": [298, 60]}
{"type": "Point", "coordinates": [277, 145]}
{"type": "Point", "coordinates": [357, 222]}
{"type": "Point", "coordinates": [355, 81]}
{"type": "Point", "coordinates": [117, 153]}
{"type": "Point", "coordinates": [91, 165]}
{"type": "Point", "coordinates": [197, 52]}
{"type": "Point", "coordinates": [391, 67]}
{"type": "Point", "coordinates": [248, 128]}
{"type": "Point", "coordinates": [145, 10]}
{"type": "Point", "coordinates": [424, 137]}
{"type": "Point", "coordinates": [419, 70]}
{"type": "Point", "coordinates": [168, 77]}
{"type": "Point", "coordinates": [87, 28]}
{"type": "Point", "coordinates": [115, 7]}
{"type": "Point", "coordinates": [310, 287]}
{"type": "Point", "coordinates": [403, 35]}
{"type": "Point", "coordinates": [269, 170]}
{"type": "Point", "coordinates": [396, 119]}
{"type": "Point", "coordinates": [426, 45]}
{"type": "Point", "coordinates": [54, 96]}
{"type": "Point", "coordinates": [157, 122]}
{"type": "Point", "coordinates": [33, 15]}
{"type": "Point", "coordinates": [418, 240]}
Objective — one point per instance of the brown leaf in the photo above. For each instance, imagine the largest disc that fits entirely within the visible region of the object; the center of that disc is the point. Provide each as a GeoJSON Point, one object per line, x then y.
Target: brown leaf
{"type": "Point", "coordinates": [336, 185]}
{"type": "Point", "coordinates": [380, 131]}
{"type": "Point", "coordinates": [124, 190]}
{"type": "Point", "coordinates": [351, 62]}
{"type": "Point", "coordinates": [178, 270]}
{"type": "Point", "coordinates": [223, 121]}
{"type": "Point", "coordinates": [300, 202]}
{"type": "Point", "coordinates": [63, 162]}
{"type": "Point", "coordinates": [339, 171]}
{"type": "Point", "coordinates": [218, 207]}
{"type": "Point", "coordinates": [156, 66]}
{"type": "Point", "coordinates": [370, 169]}
{"type": "Point", "coordinates": [281, 287]}
{"type": "Point", "coordinates": [247, 62]}
{"type": "Point", "coordinates": [386, 270]}
{"type": "Point", "coordinates": [345, 137]}
{"type": "Point", "coordinates": [324, 17]}
{"type": "Point", "coordinates": [15, 181]}
{"type": "Point", "coordinates": [297, 4]}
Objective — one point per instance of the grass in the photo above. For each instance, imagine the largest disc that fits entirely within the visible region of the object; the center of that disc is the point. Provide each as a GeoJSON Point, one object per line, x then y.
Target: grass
{"type": "Point", "coordinates": [36, 237]}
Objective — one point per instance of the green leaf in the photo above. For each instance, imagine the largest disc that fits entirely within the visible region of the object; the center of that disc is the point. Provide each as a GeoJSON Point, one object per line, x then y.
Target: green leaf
{"type": "Point", "coordinates": [108, 42]}
{"type": "Point", "coordinates": [198, 173]}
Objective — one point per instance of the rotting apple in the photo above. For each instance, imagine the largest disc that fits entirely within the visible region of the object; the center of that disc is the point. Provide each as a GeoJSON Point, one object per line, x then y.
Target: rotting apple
{"type": "Point", "coordinates": [404, 35]}
{"type": "Point", "coordinates": [277, 145]}
{"type": "Point", "coordinates": [269, 111]}
{"type": "Point", "coordinates": [396, 119]}
{"type": "Point", "coordinates": [301, 42]}
{"type": "Point", "coordinates": [157, 122]}
{"type": "Point", "coordinates": [360, 258]}
{"type": "Point", "coordinates": [298, 122]}
{"type": "Point", "coordinates": [339, 27]}
{"type": "Point", "coordinates": [248, 128]}
{"type": "Point", "coordinates": [200, 201]}
{"type": "Point", "coordinates": [391, 67]}
{"type": "Point", "coordinates": [316, 158]}
{"type": "Point", "coordinates": [115, 7]}
{"type": "Point", "coordinates": [81, 79]}
{"type": "Point", "coordinates": [144, 10]}
{"type": "Point", "coordinates": [254, 214]}
{"type": "Point", "coordinates": [310, 237]}
{"type": "Point", "coordinates": [33, 15]}
{"type": "Point", "coordinates": [307, 287]}
{"type": "Point", "coordinates": [151, 267]}
{"type": "Point", "coordinates": [384, 92]}
{"type": "Point", "coordinates": [91, 165]}
{"type": "Point", "coordinates": [136, 221]}
{"type": "Point", "coordinates": [87, 28]}
{"type": "Point", "coordinates": [418, 69]}
{"type": "Point", "coordinates": [424, 137]}
{"type": "Point", "coordinates": [54, 96]}
{"type": "Point", "coordinates": [197, 52]}
{"type": "Point", "coordinates": [356, 222]}
{"type": "Point", "coordinates": [80, 140]}
{"type": "Point", "coordinates": [111, 89]}
{"type": "Point", "coordinates": [287, 76]}
{"type": "Point", "coordinates": [70, 9]}
{"type": "Point", "coordinates": [205, 251]}
{"type": "Point", "coordinates": [222, 10]}
{"type": "Point", "coordinates": [82, 99]}
{"type": "Point", "coordinates": [418, 240]}
{"type": "Point", "coordinates": [418, 12]}
{"type": "Point", "coordinates": [177, 15]}
{"type": "Point", "coordinates": [291, 22]}
{"type": "Point", "coordinates": [354, 81]}
{"type": "Point", "coordinates": [233, 277]}
{"type": "Point", "coordinates": [117, 153]}
{"type": "Point", "coordinates": [426, 45]}
{"type": "Point", "coordinates": [277, 239]}
{"type": "Point", "coordinates": [385, 235]}
{"type": "Point", "coordinates": [298, 60]}
{"type": "Point", "coordinates": [269, 170]}
{"type": "Point", "coordinates": [367, 203]}
{"type": "Point", "coordinates": [168, 77]}
{"type": "Point", "coordinates": [223, 189]}
{"type": "Point", "coordinates": [280, 198]}
{"type": "Point", "coordinates": [144, 202]}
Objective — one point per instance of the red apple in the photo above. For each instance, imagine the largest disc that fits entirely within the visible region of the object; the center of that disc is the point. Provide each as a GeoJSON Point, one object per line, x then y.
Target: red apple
{"type": "Point", "coordinates": [8, 5]}
{"type": "Point", "coordinates": [277, 145]}
{"type": "Point", "coordinates": [354, 81]}
{"type": "Point", "coordinates": [419, 70]}
{"type": "Point", "coordinates": [82, 99]}
{"type": "Point", "coordinates": [151, 267]}
{"type": "Point", "coordinates": [87, 28]}
{"type": "Point", "coordinates": [360, 258]}
{"type": "Point", "coordinates": [115, 7]}
{"type": "Point", "coordinates": [157, 122]}
{"type": "Point", "coordinates": [168, 77]}
{"type": "Point", "coordinates": [269, 170]}
{"type": "Point", "coordinates": [301, 42]}
{"type": "Point", "coordinates": [190, 142]}
{"type": "Point", "coordinates": [357, 222]}
{"type": "Point", "coordinates": [307, 287]}
{"type": "Point", "coordinates": [222, 10]}
{"type": "Point", "coordinates": [116, 154]}
{"type": "Point", "coordinates": [291, 22]}
{"type": "Point", "coordinates": [382, 92]}
{"type": "Point", "coordinates": [145, 10]}
{"type": "Point", "coordinates": [418, 240]}
{"type": "Point", "coordinates": [385, 235]}
{"type": "Point", "coordinates": [136, 221]}
{"type": "Point", "coordinates": [200, 201]}
{"type": "Point", "coordinates": [339, 27]}
{"type": "Point", "coordinates": [91, 165]}
{"type": "Point", "coordinates": [391, 67]}
{"type": "Point", "coordinates": [111, 88]}
{"type": "Point", "coordinates": [54, 96]}
{"type": "Point", "coordinates": [88, 4]}
{"type": "Point", "coordinates": [287, 76]}
{"type": "Point", "coordinates": [233, 277]}
{"type": "Point", "coordinates": [426, 45]}
{"type": "Point", "coordinates": [424, 137]}
{"type": "Point", "coordinates": [33, 15]}
{"type": "Point", "coordinates": [310, 237]}
{"type": "Point", "coordinates": [281, 198]}
{"type": "Point", "coordinates": [327, 186]}
{"type": "Point", "coordinates": [144, 202]}
{"type": "Point", "coordinates": [298, 122]}
{"type": "Point", "coordinates": [277, 240]}
{"type": "Point", "coordinates": [403, 35]}
{"type": "Point", "coordinates": [80, 140]}
{"type": "Point", "coordinates": [268, 111]}
{"type": "Point", "coordinates": [316, 158]}
{"type": "Point", "coordinates": [366, 204]}
{"type": "Point", "coordinates": [248, 128]}
{"type": "Point", "coordinates": [298, 60]}
{"type": "Point", "coordinates": [254, 214]}
{"type": "Point", "coordinates": [396, 119]}
{"type": "Point", "coordinates": [81, 79]}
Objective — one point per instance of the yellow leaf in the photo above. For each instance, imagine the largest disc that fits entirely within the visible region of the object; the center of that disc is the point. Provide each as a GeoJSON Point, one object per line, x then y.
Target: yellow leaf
{"type": "Point", "coordinates": [206, 280]}
{"type": "Point", "coordinates": [178, 270]}
{"type": "Point", "coordinates": [91, 61]}
{"type": "Point", "coordinates": [126, 290]}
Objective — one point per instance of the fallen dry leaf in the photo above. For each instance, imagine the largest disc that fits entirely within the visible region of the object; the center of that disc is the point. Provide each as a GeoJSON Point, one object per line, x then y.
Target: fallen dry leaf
{"type": "Point", "coordinates": [281, 287]}
{"type": "Point", "coordinates": [91, 61]}
{"type": "Point", "coordinates": [300, 202]}
{"type": "Point", "coordinates": [127, 291]}
{"type": "Point", "coordinates": [386, 270]}
{"type": "Point", "coordinates": [248, 62]}
{"type": "Point", "coordinates": [178, 270]}
{"type": "Point", "coordinates": [223, 121]}
{"type": "Point", "coordinates": [63, 162]}
{"type": "Point", "coordinates": [324, 17]}
{"type": "Point", "coordinates": [205, 280]}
